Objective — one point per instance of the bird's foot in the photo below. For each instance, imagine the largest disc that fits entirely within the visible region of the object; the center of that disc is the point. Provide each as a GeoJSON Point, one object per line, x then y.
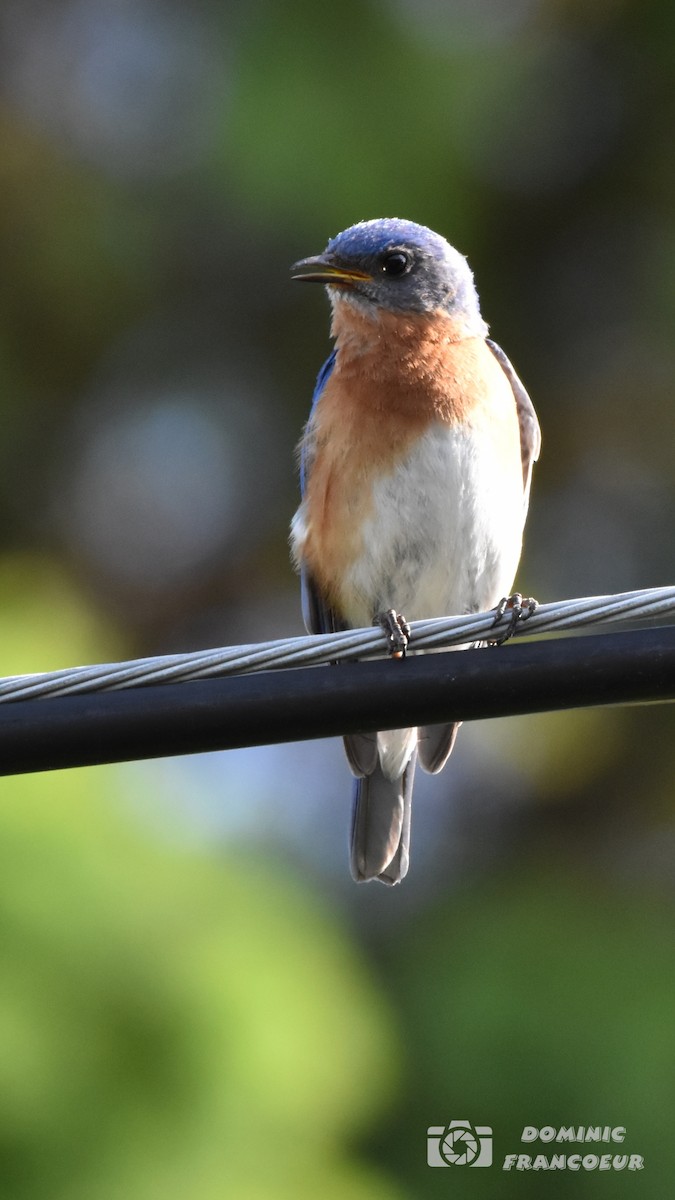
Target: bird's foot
{"type": "Point", "coordinates": [397, 630]}
{"type": "Point", "coordinates": [521, 609]}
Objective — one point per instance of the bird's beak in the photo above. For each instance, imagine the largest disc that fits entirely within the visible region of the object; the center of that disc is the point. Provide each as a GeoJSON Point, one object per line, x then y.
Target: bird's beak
{"type": "Point", "coordinates": [321, 270]}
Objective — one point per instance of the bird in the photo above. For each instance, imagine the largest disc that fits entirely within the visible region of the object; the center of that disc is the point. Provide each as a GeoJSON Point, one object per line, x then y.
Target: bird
{"type": "Point", "coordinates": [415, 470]}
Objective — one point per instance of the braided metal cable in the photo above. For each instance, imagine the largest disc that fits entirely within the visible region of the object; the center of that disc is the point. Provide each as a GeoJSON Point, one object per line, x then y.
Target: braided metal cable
{"type": "Point", "coordinates": [313, 650]}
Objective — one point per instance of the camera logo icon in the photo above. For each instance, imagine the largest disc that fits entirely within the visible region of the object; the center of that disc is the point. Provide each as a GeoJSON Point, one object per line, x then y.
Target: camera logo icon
{"type": "Point", "coordinates": [459, 1144]}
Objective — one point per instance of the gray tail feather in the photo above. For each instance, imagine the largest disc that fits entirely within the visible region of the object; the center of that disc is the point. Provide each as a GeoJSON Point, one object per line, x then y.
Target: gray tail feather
{"type": "Point", "coordinates": [435, 743]}
{"type": "Point", "coordinates": [380, 842]}
{"type": "Point", "coordinates": [361, 751]}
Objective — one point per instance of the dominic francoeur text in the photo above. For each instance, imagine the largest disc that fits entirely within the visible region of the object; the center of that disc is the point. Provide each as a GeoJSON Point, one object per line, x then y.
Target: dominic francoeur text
{"type": "Point", "coordinates": [577, 1161]}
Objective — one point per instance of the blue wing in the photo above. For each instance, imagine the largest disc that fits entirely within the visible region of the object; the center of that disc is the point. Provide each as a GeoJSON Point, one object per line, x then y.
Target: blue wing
{"type": "Point", "coordinates": [321, 381]}
{"type": "Point", "coordinates": [318, 616]}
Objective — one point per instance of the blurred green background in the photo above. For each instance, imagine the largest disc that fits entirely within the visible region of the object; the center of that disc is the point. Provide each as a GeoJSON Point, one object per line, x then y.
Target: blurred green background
{"type": "Point", "coordinates": [195, 1000]}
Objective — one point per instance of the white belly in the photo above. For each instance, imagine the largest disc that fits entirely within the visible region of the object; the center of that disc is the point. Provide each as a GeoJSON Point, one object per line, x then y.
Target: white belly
{"type": "Point", "coordinates": [445, 532]}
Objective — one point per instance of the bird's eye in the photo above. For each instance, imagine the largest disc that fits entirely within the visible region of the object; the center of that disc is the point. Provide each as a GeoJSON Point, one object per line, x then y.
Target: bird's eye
{"type": "Point", "coordinates": [396, 262]}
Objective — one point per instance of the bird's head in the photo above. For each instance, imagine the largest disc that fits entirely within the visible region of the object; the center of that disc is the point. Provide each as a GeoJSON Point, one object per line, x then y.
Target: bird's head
{"type": "Point", "coordinates": [397, 266]}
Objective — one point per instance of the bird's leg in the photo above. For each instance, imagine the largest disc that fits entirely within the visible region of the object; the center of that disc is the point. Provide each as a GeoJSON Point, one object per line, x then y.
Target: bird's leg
{"type": "Point", "coordinates": [397, 630]}
{"type": "Point", "coordinates": [521, 609]}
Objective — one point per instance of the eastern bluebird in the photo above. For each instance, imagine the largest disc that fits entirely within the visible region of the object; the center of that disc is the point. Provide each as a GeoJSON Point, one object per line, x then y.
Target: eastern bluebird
{"type": "Point", "coordinates": [415, 469]}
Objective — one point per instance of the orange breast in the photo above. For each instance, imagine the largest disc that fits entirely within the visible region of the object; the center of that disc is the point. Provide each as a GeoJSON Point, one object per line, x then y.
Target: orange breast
{"type": "Point", "coordinates": [391, 380]}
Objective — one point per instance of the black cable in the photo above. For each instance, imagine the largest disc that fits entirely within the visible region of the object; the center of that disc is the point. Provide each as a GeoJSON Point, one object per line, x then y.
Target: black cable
{"type": "Point", "coordinates": [280, 706]}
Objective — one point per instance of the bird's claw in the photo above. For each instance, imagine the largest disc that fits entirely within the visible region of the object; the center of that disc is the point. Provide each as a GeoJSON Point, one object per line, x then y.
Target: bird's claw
{"type": "Point", "coordinates": [397, 630]}
{"type": "Point", "coordinates": [521, 609]}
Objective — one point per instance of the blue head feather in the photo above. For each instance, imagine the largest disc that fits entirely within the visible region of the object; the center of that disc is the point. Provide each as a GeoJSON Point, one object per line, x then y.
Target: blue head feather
{"type": "Point", "coordinates": [434, 275]}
